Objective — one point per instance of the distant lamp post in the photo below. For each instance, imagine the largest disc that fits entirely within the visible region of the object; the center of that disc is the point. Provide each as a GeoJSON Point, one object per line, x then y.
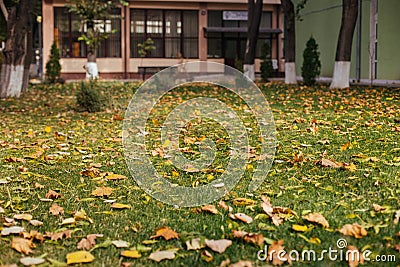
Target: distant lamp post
{"type": "Point", "coordinates": [40, 69]}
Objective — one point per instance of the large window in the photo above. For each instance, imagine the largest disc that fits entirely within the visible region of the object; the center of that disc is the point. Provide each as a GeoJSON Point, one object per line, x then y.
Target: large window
{"type": "Point", "coordinates": [68, 28]}
{"type": "Point", "coordinates": [232, 44]}
{"type": "Point", "coordinates": [174, 32]}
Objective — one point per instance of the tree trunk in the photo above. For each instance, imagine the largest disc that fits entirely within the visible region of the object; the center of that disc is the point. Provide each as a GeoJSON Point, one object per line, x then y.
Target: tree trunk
{"type": "Point", "coordinates": [92, 71]}
{"type": "Point", "coordinates": [290, 42]}
{"type": "Point", "coordinates": [254, 18]}
{"type": "Point", "coordinates": [15, 52]}
{"type": "Point", "coordinates": [341, 73]}
{"type": "Point", "coordinates": [29, 52]}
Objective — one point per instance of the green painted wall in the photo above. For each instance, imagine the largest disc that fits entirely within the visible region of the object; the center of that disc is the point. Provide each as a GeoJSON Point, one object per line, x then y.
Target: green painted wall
{"type": "Point", "coordinates": [322, 20]}
{"type": "Point", "coordinates": [388, 39]}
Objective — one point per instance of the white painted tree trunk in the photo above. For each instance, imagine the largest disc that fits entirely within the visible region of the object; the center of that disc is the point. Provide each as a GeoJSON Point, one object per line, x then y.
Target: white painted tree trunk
{"type": "Point", "coordinates": [290, 73]}
{"type": "Point", "coordinates": [341, 75]}
{"type": "Point", "coordinates": [92, 72]}
{"type": "Point", "coordinates": [12, 80]}
{"type": "Point", "coordinates": [248, 70]}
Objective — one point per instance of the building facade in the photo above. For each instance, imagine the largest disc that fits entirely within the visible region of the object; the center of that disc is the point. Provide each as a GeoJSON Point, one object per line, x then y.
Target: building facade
{"type": "Point", "coordinates": [182, 31]}
{"type": "Point", "coordinates": [378, 42]}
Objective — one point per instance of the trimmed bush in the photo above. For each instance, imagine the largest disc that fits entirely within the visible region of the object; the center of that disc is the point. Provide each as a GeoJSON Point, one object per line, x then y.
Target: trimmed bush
{"type": "Point", "coordinates": [266, 67]}
{"type": "Point", "coordinates": [89, 98]}
{"type": "Point", "coordinates": [311, 64]}
{"type": "Point", "coordinates": [53, 66]}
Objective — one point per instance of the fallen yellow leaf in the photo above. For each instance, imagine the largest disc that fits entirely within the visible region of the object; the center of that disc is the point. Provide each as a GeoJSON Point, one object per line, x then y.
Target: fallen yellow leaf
{"type": "Point", "coordinates": [79, 257]}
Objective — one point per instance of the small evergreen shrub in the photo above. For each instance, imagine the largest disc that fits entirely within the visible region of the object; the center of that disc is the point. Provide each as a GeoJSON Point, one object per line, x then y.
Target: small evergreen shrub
{"type": "Point", "coordinates": [266, 67]}
{"type": "Point", "coordinates": [311, 64]}
{"type": "Point", "coordinates": [89, 98]}
{"type": "Point", "coordinates": [53, 66]}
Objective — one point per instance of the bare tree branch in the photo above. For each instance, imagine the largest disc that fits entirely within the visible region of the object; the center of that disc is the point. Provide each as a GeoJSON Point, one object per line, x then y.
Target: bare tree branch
{"type": "Point", "coordinates": [4, 10]}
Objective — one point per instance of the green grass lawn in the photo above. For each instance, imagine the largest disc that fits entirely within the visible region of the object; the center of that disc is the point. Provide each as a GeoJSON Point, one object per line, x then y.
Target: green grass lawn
{"type": "Point", "coordinates": [45, 145]}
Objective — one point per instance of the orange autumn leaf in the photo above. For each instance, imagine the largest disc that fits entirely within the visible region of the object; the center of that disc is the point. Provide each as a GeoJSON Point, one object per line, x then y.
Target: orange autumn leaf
{"type": "Point", "coordinates": [272, 254]}
{"type": "Point", "coordinates": [354, 229]}
{"type": "Point", "coordinates": [22, 245]}
{"type": "Point", "coordinates": [210, 208]}
{"type": "Point", "coordinates": [165, 232]}
{"type": "Point", "coordinates": [355, 257]}
{"type": "Point", "coordinates": [53, 194]}
{"type": "Point", "coordinates": [317, 218]}
{"type": "Point", "coordinates": [102, 191]}
{"type": "Point", "coordinates": [56, 210]}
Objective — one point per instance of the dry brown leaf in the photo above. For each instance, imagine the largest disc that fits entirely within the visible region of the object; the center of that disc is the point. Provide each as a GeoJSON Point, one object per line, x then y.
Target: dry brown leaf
{"type": "Point", "coordinates": [257, 239]}
{"type": "Point", "coordinates": [377, 207]}
{"type": "Point", "coordinates": [206, 256]}
{"type": "Point", "coordinates": [29, 261]}
{"type": "Point", "coordinates": [273, 250]}
{"type": "Point", "coordinates": [89, 242]}
{"type": "Point", "coordinates": [242, 263]}
{"type": "Point", "coordinates": [225, 263]}
{"type": "Point", "coordinates": [194, 244]}
{"type": "Point", "coordinates": [56, 210]}
{"type": "Point", "coordinates": [26, 217]}
{"type": "Point", "coordinates": [329, 163]}
{"type": "Point", "coordinates": [224, 206]}
{"type": "Point", "coordinates": [33, 235]}
{"type": "Point", "coordinates": [162, 255]}
{"type": "Point", "coordinates": [355, 257]}
{"type": "Point", "coordinates": [317, 218]}
{"type": "Point", "coordinates": [210, 208]}
{"type": "Point", "coordinates": [165, 232]}
{"type": "Point", "coordinates": [60, 235]}
{"type": "Point", "coordinates": [53, 194]}
{"type": "Point", "coordinates": [243, 217]}
{"type": "Point", "coordinates": [298, 157]}
{"type": "Point", "coordinates": [276, 220]}
{"type": "Point", "coordinates": [345, 146]}
{"type": "Point", "coordinates": [102, 191]}
{"type": "Point", "coordinates": [397, 247]}
{"type": "Point", "coordinates": [241, 201]}
{"type": "Point", "coordinates": [267, 208]}
{"type": "Point", "coordinates": [396, 217]}
{"type": "Point", "coordinates": [36, 222]}
{"type": "Point", "coordinates": [91, 172]}
{"type": "Point", "coordinates": [22, 245]}
{"type": "Point", "coordinates": [218, 245]}
{"type": "Point", "coordinates": [354, 229]}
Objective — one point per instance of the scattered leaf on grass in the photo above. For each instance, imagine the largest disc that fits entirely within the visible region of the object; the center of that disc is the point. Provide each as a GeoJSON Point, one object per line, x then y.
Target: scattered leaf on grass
{"type": "Point", "coordinates": [377, 207]}
{"type": "Point", "coordinates": [36, 222]}
{"type": "Point", "coordinates": [131, 254]}
{"type": "Point", "coordinates": [165, 232]}
{"type": "Point", "coordinates": [210, 208]}
{"type": "Point", "coordinates": [56, 210]}
{"type": "Point", "coordinates": [206, 256]}
{"type": "Point", "coordinates": [354, 229]}
{"type": "Point", "coordinates": [243, 201]}
{"type": "Point", "coordinates": [317, 218]}
{"type": "Point", "coordinates": [102, 191]}
{"type": "Point", "coordinates": [59, 235]}
{"type": "Point", "coordinates": [218, 245]}
{"type": "Point", "coordinates": [396, 217]}
{"type": "Point", "coordinates": [29, 261]}
{"type": "Point", "coordinates": [22, 245]}
{"type": "Point", "coordinates": [68, 221]}
{"type": "Point", "coordinates": [79, 257]}
{"type": "Point", "coordinates": [53, 194]}
{"type": "Point", "coordinates": [243, 217]}
{"type": "Point", "coordinates": [89, 242]}
{"type": "Point", "coordinates": [224, 206]}
{"type": "Point", "coordinates": [242, 263]}
{"type": "Point", "coordinates": [194, 244]}
{"type": "Point", "coordinates": [26, 217]}
{"type": "Point", "coordinates": [120, 206]}
{"type": "Point", "coordinates": [272, 253]}
{"type": "Point", "coordinates": [12, 230]}
{"type": "Point", "coordinates": [299, 228]}
{"type": "Point", "coordinates": [113, 176]}
{"type": "Point", "coordinates": [257, 239]}
{"type": "Point", "coordinates": [355, 257]}
{"type": "Point", "coordinates": [120, 244]}
{"type": "Point", "coordinates": [162, 255]}
{"type": "Point", "coordinates": [91, 172]}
